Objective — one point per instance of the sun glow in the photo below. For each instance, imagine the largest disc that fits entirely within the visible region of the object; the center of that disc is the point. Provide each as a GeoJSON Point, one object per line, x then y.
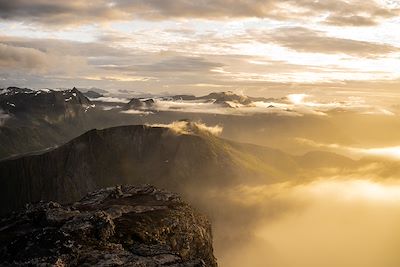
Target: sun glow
{"type": "Point", "coordinates": [355, 190]}
{"type": "Point", "coordinates": [297, 99]}
{"type": "Point", "coordinates": [391, 152]}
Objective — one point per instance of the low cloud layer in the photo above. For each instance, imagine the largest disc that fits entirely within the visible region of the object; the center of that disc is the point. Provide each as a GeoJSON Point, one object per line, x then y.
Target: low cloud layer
{"type": "Point", "coordinates": [331, 222]}
{"type": "Point", "coordinates": [292, 105]}
{"type": "Point", "coordinates": [388, 152]}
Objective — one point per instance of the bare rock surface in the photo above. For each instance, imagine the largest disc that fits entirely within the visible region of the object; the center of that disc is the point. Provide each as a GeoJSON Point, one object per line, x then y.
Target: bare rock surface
{"type": "Point", "coordinates": [116, 226]}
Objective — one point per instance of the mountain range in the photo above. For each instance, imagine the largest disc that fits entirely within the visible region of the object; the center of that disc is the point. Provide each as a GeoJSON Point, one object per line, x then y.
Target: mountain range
{"type": "Point", "coordinates": [33, 120]}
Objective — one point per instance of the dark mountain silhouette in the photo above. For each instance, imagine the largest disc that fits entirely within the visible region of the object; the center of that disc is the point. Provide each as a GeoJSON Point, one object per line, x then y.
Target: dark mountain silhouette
{"type": "Point", "coordinates": [136, 103]}
{"type": "Point", "coordinates": [48, 104]}
{"type": "Point", "coordinates": [41, 119]}
{"type": "Point", "coordinates": [92, 94]}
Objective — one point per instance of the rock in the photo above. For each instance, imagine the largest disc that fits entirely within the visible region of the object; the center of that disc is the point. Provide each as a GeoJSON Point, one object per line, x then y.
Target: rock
{"type": "Point", "coordinates": [143, 226]}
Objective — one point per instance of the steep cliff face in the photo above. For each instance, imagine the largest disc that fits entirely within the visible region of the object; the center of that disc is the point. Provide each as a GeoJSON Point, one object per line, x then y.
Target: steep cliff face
{"type": "Point", "coordinates": [121, 226]}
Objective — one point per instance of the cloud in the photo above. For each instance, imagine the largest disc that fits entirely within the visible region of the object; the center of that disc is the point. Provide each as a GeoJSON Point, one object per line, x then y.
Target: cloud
{"type": "Point", "coordinates": [388, 152]}
{"type": "Point", "coordinates": [214, 130]}
{"type": "Point", "coordinates": [37, 61]}
{"type": "Point", "coordinates": [197, 63]}
{"type": "Point", "coordinates": [338, 221]}
{"type": "Point", "coordinates": [291, 105]}
{"type": "Point", "coordinates": [156, 61]}
{"type": "Point", "coordinates": [174, 63]}
{"type": "Point", "coordinates": [22, 58]}
{"type": "Point", "coordinates": [306, 40]}
{"type": "Point", "coordinates": [104, 63]}
{"type": "Point", "coordinates": [355, 12]}
{"type": "Point", "coordinates": [350, 13]}
{"type": "Point", "coordinates": [187, 127]}
{"type": "Point", "coordinates": [60, 12]}
{"type": "Point", "coordinates": [352, 20]}
{"type": "Point", "coordinates": [110, 99]}
{"type": "Point", "coordinates": [136, 112]}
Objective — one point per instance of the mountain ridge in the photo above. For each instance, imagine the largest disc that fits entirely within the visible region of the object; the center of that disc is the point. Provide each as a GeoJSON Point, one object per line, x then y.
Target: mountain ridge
{"type": "Point", "coordinates": [138, 154]}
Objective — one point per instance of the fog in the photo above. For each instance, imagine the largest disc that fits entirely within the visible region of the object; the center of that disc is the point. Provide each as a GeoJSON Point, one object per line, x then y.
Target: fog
{"type": "Point", "coordinates": [330, 222]}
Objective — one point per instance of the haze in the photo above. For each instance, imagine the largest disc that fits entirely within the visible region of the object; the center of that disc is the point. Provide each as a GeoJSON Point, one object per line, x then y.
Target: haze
{"type": "Point", "coordinates": [316, 82]}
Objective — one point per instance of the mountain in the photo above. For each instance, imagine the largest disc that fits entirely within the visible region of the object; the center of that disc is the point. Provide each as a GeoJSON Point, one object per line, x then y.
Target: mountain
{"type": "Point", "coordinates": [41, 119]}
{"type": "Point", "coordinates": [92, 94]}
{"type": "Point", "coordinates": [222, 99]}
{"type": "Point", "coordinates": [227, 99]}
{"type": "Point", "coordinates": [48, 104]}
{"type": "Point", "coordinates": [231, 100]}
{"type": "Point", "coordinates": [128, 225]}
{"type": "Point", "coordinates": [136, 103]}
{"type": "Point", "coordinates": [35, 120]}
{"type": "Point", "coordinates": [170, 158]}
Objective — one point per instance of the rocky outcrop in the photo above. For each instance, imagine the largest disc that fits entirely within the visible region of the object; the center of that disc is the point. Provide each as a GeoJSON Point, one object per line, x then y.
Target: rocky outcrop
{"type": "Point", "coordinates": [121, 226]}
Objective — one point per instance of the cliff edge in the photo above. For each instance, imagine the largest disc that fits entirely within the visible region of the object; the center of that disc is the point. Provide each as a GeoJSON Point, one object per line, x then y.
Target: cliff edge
{"type": "Point", "coordinates": [121, 226]}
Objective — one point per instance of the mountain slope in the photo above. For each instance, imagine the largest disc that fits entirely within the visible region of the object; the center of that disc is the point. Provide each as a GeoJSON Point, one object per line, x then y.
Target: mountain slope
{"type": "Point", "coordinates": [41, 119]}
{"type": "Point", "coordinates": [49, 105]}
{"type": "Point", "coordinates": [136, 154]}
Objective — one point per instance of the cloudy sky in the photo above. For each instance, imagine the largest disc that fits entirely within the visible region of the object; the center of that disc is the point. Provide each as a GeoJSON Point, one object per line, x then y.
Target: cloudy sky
{"type": "Point", "coordinates": [257, 47]}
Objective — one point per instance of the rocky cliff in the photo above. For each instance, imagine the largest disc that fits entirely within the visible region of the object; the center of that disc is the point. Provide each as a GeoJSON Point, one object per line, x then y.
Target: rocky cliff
{"type": "Point", "coordinates": [121, 226]}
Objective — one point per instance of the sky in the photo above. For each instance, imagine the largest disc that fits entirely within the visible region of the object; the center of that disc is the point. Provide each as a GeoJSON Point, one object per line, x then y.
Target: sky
{"type": "Point", "coordinates": [258, 47]}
